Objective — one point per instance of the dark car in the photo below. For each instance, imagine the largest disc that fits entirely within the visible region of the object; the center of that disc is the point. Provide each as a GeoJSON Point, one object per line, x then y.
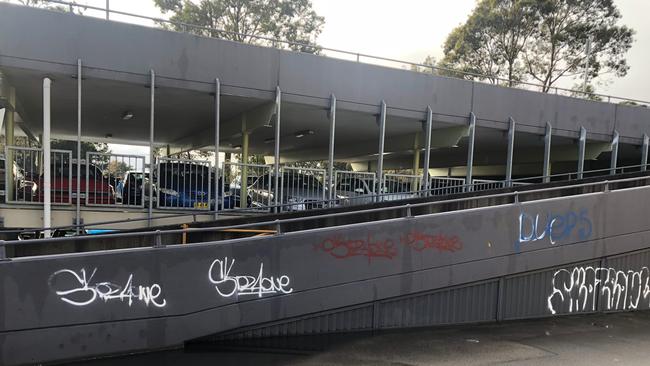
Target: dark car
{"type": "Point", "coordinates": [94, 187]}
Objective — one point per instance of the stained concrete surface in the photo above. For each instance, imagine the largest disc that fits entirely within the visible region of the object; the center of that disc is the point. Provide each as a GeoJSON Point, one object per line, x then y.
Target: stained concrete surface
{"type": "Point", "coordinates": [603, 339]}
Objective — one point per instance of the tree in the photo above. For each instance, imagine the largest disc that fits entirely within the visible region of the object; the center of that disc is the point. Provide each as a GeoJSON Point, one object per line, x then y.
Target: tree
{"type": "Point", "coordinates": [85, 147]}
{"type": "Point", "coordinates": [540, 40]}
{"type": "Point", "coordinates": [45, 5]}
{"type": "Point", "coordinates": [565, 27]}
{"type": "Point", "coordinates": [245, 20]}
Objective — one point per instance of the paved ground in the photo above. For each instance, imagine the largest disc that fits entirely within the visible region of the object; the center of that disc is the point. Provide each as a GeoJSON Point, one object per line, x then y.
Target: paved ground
{"type": "Point", "coordinates": [586, 340]}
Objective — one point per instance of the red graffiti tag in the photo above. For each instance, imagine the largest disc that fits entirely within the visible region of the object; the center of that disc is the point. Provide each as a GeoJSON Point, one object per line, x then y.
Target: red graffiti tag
{"type": "Point", "coordinates": [420, 242]}
{"type": "Point", "coordinates": [340, 248]}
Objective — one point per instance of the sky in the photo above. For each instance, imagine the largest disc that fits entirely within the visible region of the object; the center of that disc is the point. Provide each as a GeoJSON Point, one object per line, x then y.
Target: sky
{"type": "Point", "coordinates": [412, 29]}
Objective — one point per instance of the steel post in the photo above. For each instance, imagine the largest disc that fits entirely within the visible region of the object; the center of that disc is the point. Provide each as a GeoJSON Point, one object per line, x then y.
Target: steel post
{"type": "Point", "coordinates": [276, 154]}
{"type": "Point", "coordinates": [152, 158]}
{"type": "Point", "coordinates": [427, 152]}
{"type": "Point", "coordinates": [78, 204]}
{"type": "Point", "coordinates": [380, 156]}
{"type": "Point", "coordinates": [644, 153]}
{"type": "Point", "coordinates": [330, 172]}
{"type": "Point", "coordinates": [47, 178]}
{"type": "Point", "coordinates": [217, 127]}
{"type": "Point", "coordinates": [547, 152]}
{"type": "Point", "coordinates": [511, 150]}
{"type": "Point", "coordinates": [9, 120]}
{"type": "Point", "coordinates": [243, 189]}
{"type": "Point", "coordinates": [614, 159]}
{"type": "Point", "coordinates": [582, 144]}
{"type": "Point", "coordinates": [470, 152]}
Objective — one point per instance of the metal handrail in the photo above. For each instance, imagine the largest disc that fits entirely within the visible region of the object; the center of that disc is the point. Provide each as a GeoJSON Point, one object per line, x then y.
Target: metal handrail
{"type": "Point", "coordinates": [277, 222]}
{"type": "Point", "coordinates": [358, 55]}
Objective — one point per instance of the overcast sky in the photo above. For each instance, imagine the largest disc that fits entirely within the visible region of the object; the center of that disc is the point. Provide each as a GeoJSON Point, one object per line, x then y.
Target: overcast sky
{"type": "Point", "coordinates": [412, 29]}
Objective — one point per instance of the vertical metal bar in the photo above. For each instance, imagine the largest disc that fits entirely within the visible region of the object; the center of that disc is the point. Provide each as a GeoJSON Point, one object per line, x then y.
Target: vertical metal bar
{"type": "Point", "coordinates": [217, 127]}
{"type": "Point", "coordinates": [382, 138]}
{"type": "Point", "coordinates": [330, 173]}
{"type": "Point", "coordinates": [582, 143]}
{"type": "Point", "coordinates": [10, 114]}
{"type": "Point", "coordinates": [511, 149]}
{"type": "Point", "coordinates": [547, 152]}
{"type": "Point", "coordinates": [243, 189]}
{"type": "Point", "coordinates": [152, 159]}
{"type": "Point", "coordinates": [614, 161]}
{"type": "Point", "coordinates": [644, 153]}
{"type": "Point", "coordinates": [107, 10]}
{"type": "Point", "coordinates": [276, 154]}
{"type": "Point", "coordinates": [427, 152]}
{"type": "Point", "coordinates": [470, 152]}
{"type": "Point", "coordinates": [78, 212]}
{"type": "Point", "coordinates": [47, 178]}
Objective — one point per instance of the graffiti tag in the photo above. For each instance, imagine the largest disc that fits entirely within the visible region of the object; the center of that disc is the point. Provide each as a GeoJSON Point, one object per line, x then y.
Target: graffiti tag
{"type": "Point", "coordinates": [228, 285]}
{"type": "Point", "coordinates": [419, 241]}
{"type": "Point", "coordinates": [581, 288]}
{"type": "Point", "coordinates": [83, 291]}
{"type": "Point", "coordinates": [340, 248]}
{"type": "Point", "coordinates": [554, 227]}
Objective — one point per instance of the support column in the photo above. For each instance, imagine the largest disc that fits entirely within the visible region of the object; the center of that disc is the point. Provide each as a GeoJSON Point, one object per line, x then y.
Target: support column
{"type": "Point", "coordinates": [78, 208]}
{"type": "Point", "coordinates": [511, 150]}
{"type": "Point", "coordinates": [217, 127]}
{"type": "Point", "coordinates": [613, 163]}
{"type": "Point", "coordinates": [427, 152]}
{"type": "Point", "coordinates": [380, 157]}
{"type": "Point", "coordinates": [10, 115]}
{"type": "Point", "coordinates": [152, 159]}
{"type": "Point", "coordinates": [243, 189]}
{"type": "Point", "coordinates": [47, 177]}
{"type": "Point", "coordinates": [330, 173]}
{"type": "Point", "coordinates": [276, 155]}
{"type": "Point", "coordinates": [644, 153]}
{"type": "Point", "coordinates": [547, 153]}
{"type": "Point", "coordinates": [470, 152]}
{"type": "Point", "coordinates": [416, 153]}
{"type": "Point", "coordinates": [582, 144]}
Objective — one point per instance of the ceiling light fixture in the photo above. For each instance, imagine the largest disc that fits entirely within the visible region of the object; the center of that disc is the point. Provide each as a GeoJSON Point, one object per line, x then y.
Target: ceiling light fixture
{"type": "Point", "coordinates": [301, 134]}
{"type": "Point", "coordinates": [128, 115]}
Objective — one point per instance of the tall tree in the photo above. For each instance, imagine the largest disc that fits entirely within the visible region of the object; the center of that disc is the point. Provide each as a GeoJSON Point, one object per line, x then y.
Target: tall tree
{"type": "Point", "coordinates": [564, 30]}
{"type": "Point", "coordinates": [245, 20]}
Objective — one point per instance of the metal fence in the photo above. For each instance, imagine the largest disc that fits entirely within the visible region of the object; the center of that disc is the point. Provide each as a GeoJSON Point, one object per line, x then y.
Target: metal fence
{"type": "Point", "coordinates": [302, 189]}
{"type": "Point", "coordinates": [354, 188]}
{"type": "Point", "coordinates": [113, 179]}
{"type": "Point", "coordinates": [442, 186]}
{"type": "Point", "coordinates": [23, 182]}
{"type": "Point", "coordinates": [256, 193]}
{"type": "Point", "coordinates": [183, 184]}
{"type": "Point", "coordinates": [485, 185]}
{"type": "Point", "coordinates": [400, 186]}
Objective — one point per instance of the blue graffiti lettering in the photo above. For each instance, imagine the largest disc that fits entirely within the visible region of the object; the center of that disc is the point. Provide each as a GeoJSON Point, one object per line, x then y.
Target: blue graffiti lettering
{"type": "Point", "coordinates": [554, 227]}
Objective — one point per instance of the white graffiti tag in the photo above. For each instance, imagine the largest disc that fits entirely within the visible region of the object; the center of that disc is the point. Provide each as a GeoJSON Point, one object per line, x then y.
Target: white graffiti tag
{"type": "Point", "coordinates": [76, 288]}
{"type": "Point", "coordinates": [228, 285]}
{"type": "Point", "coordinates": [582, 288]}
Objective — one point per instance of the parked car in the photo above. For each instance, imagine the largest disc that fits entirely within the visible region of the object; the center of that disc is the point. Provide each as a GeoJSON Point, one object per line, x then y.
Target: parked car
{"type": "Point", "coordinates": [231, 194]}
{"type": "Point", "coordinates": [299, 192]}
{"type": "Point", "coordinates": [354, 191]}
{"type": "Point", "coordinates": [135, 188]}
{"type": "Point", "coordinates": [93, 185]}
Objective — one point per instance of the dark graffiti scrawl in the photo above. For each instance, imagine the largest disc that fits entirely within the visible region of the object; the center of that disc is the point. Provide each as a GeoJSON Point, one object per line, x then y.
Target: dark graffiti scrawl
{"type": "Point", "coordinates": [340, 248]}
{"type": "Point", "coordinates": [420, 242]}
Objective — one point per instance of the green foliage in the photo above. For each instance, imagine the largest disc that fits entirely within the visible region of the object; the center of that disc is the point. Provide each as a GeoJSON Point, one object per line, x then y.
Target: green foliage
{"type": "Point", "coordinates": [85, 147]}
{"type": "Point", "coordinates": [57, 7]}
{"type": "Point", "coordinates": [244, 20]}
{"type": "Point", "coordinates": [539, 40]}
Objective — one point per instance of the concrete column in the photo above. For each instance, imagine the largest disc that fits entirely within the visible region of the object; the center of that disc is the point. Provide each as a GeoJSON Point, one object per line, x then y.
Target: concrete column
{"type": "Point", "coordinates": [547, 153]}
{"type": "Point", "coordinates": [380, 156]}
{"type": "Point", "coordinates": [582, 145]}
{"type": "Point", "coordinates": [416, 153]}
{"type": "Point", "coordinates": [330, 173]}
{"type": "Point", "coordinates": [10, 115]}
{"type": "Point", "coordinates": [244, 159]}
{"type": "Point", "coordinates": [427, 152]}
{"type": "Point", "coordinates": [47, 177]}
{"type": "Point", "coordinates": [78, 188]}
{"type": "Point", "coordinates": [511, 150]}
{"type": "Point", "coordinates": [152, 159]}
{"type": "Point", "coordinates": [276, 155]}
{"type": "Point", "coordinates": [470, 152]}
{"type": "Point", "coordinates": [644, 153]}
{"type": "Point", "coordinates": [217, 128]}
{"type": "Point", "coordinates": [614, 161]}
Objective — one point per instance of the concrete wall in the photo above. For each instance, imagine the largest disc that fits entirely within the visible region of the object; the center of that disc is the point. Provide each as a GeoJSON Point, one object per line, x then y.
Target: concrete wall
{"type": "Point", "coordinates": [127, 52]}
{"type": "Point", "coordinates": [126, 300]}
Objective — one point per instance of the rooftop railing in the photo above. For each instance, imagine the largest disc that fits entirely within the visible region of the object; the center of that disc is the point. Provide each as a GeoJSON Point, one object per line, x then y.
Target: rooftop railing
{"type": "Point", "coordinates": [350, 55]}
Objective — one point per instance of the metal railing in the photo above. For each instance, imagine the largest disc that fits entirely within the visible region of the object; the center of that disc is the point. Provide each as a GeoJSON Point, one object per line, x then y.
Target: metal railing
{"type": "Point", "coordinates": [302, 189]}
{"type": "Point", "coordinates": [113, 179]}
{"type": "Point", "coordinates": [350, 55]}
{"type": "Point", "coordinates": [354, 188]}
{"type": "Point", "coordinates": [486, 184]}
{"type": "Point", "coordinates": [255, 193]}
{"type": "Point", "coordinates": [442, 186]}
{"type": "Point", "coordinates": [183, 184]}
{"type": "Point", "coordinates": [400, 186]}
